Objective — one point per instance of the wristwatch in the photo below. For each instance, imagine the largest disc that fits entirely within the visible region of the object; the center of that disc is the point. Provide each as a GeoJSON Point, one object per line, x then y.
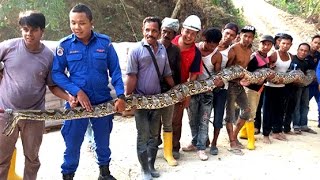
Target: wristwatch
{"type": "Point", "coordinates": [122, 96]}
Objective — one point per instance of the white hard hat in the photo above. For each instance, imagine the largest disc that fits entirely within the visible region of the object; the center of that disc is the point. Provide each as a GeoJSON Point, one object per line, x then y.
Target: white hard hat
{"type": "Point", "coordinates": [192, 22]}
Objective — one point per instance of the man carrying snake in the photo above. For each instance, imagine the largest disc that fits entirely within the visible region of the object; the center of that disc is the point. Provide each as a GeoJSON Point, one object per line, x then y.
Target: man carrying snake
{"type": "Point", "coordinates": [90, 59]}
{"type": "Point", "coordinates": [27, 71]}
{"type": "Point", "coordinates": [239, 55]}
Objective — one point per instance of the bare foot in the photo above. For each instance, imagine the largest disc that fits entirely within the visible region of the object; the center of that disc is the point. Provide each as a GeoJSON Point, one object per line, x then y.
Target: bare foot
{"type": "Point", "coordinates": [239, 145]}
{"type": "Point", "coordinates": [283, 136]}
{"type": "Point", "coordinates": [290, 133]}
{"type": "Point", "coordinates": [266, 140]}
{"type": "Point", "coordinates": [278, 136]}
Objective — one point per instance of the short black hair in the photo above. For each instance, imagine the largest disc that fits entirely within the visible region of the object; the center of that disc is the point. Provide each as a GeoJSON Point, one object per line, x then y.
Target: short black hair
{"type": "Point", "coordinates": [315, 36]}
{"type": "Point", "coordinates": [152, 19]}
{"type": "Point", "coordinates": [304, 44]}
{"type": "Point", "coordinates": [82, 8]}
{"type": "Point", "coordinates": [33, 19]}
{"type": "Point", "coordinates": [212, 35]}
{"type": "Point", "coordinates": [287, 36]}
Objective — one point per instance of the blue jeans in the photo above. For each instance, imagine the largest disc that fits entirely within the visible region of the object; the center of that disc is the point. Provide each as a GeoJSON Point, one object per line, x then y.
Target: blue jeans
{"type": "Point", "coordinates": [199, 113]}
{"type": "Point", "coordinates": [219, 103]}
{"type": "Point", "coordinates": [300, 116]}
{"type": "Point", "coordinates": [148, 125]}
{"type": "Point", "coordinates": [314, 92]}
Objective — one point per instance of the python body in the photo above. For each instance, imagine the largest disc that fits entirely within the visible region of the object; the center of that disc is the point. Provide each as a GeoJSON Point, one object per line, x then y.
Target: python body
{"type": "Point", "coordinates": [158, 101]}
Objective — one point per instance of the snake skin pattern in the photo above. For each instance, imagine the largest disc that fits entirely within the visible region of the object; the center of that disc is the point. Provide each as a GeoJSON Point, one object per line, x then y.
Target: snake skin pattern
{"type": "Point", "coordinates": [173, 96]}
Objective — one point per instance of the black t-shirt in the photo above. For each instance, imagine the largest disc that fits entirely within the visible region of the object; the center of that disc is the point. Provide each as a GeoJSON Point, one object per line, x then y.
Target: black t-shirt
{"type": "Point", "coordinates": [252, 66]}
{"type": "Point", "coordinates": [174, 57]}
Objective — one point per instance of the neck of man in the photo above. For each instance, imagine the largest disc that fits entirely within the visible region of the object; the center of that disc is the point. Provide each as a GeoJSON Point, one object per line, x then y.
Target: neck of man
{"type": "Point", "coordinates": [223, 45]}
{"type": "Point", "coordinates": [263, 54]}
{"type": "Point", "coordinates": [34, 47]}
{"type": "Point", "coordinates": [165, 43]}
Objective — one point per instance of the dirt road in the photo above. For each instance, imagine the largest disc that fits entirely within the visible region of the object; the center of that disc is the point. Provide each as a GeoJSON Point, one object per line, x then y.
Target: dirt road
{"type": "Point", "coordinates": [298, 158]}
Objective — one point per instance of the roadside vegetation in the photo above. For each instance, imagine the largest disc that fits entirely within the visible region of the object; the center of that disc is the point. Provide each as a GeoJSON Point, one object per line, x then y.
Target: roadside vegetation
{"type": "Point", "coordinates": [120, 19]}
{"type": "Point", "coordinates": [309, 9]}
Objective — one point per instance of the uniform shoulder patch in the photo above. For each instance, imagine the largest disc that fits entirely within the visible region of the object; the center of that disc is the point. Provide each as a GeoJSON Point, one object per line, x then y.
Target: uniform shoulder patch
{"type": "Point", "coordinates": [59, 51]}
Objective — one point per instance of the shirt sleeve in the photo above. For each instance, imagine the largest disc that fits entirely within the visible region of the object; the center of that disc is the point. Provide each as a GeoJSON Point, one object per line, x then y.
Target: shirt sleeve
{"type": "Point", "coordinates": [59, 76]}
{"type": "Point", "coordinates": [167, 69]}
{"type": "Point", "coordinates": [115, 70]}
{"type": "Point", "coordinates": [318, 72]}
{"type": "Point", "coordinates": [196, 64]}
{"type": "Point", "coordinates": [132, 66]}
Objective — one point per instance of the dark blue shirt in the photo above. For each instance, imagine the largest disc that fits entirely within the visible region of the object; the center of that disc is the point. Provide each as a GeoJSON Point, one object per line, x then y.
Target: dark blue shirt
{"type": "Point", "coordinates": [89, 67]}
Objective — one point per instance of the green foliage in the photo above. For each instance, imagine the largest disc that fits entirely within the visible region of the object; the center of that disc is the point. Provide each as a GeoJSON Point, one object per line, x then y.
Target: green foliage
{"type": "Point", "coordinates": [298, 7]}
{"type": "Point", "coordinates": [55, 11]}
{"type": "Point", "coordinates": [229, 8]}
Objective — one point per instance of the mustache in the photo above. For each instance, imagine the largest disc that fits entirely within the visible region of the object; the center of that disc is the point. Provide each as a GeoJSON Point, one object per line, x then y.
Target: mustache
{"type": "Point", "coordinates": [151, 37]}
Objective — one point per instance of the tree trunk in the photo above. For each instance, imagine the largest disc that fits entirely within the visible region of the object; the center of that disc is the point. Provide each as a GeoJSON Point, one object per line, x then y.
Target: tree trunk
{"type": "Point", "coordinates": [177, 9]}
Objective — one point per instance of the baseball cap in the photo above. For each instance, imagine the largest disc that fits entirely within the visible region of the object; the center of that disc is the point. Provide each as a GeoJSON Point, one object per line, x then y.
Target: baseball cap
{"type": "Point", "coordinates": [267, 38]}
{"type": "Point", "coordinates": [249, 28]}
{"type": "Point", "coordinates": [192, 22]}
{"type": "Point", "coordinates": [170, 23]}
{"type": "Point", "coordinates": [234, 27]}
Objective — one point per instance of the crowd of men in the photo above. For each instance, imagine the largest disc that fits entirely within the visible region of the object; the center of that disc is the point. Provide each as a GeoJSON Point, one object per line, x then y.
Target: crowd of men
{"type": "Point", "coordinates": [166, 56]}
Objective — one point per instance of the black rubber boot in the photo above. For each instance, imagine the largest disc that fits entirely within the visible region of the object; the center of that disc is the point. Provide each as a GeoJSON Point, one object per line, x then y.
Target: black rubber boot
{"type": "Point", "coordinates": [67, 176]}
{"type": "Point", "coordinates": [105, 173]}
{"type": "Point", "coordinates": [152, 153]}
{"type": "Point", "coordinates": [145, 171]}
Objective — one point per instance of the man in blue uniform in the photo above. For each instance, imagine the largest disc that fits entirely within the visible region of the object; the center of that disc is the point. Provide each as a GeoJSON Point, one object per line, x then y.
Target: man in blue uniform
{"type": "Point", "coordinates": [90, 59]}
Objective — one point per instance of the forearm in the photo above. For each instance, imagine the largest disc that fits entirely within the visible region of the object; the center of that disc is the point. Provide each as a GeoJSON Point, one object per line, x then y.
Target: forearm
{"type": "Point", "coordinates": [193, 77]}
{"type": "Point", "coordinates": [57, 91]}
{"type": "Point", "coordinates": [169, 80]}
{"type": "Point", "coordinates": [130, 84]}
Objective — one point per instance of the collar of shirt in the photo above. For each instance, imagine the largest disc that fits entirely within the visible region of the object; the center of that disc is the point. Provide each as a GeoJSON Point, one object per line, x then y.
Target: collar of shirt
{"type": "Point", "coordinates": [93, 36]}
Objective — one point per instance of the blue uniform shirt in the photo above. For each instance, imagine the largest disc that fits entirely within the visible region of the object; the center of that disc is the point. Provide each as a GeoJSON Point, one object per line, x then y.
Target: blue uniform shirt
{"type": "Point", "coordinates": [89, 67]}
{"type": "Point", "coordinates": [314, 64]}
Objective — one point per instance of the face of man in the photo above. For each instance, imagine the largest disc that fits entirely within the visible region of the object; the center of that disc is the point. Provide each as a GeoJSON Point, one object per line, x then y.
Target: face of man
{"type": "Point", "coordinates": [228, 36]}
{"type": "Point", "coordinates": [303, 51]}
{"type": "Point", "coordinates": [80, 25]}
{"type": "Point", "coordinates": [31, 35]}
{"type": "Point", "coordinates": [188, 36]}
{"type": "Point", "coordinates": [246, 38]}
{"type": "Point", "coordinates": [285, 45]}
{"type": "Point", "coordinates": [209, 46]}
{"type": "Point", "coordinates": [265, 46]}
{"type": "Point", "coordinates": [167, 35]}
{"type": "Point", "coordinates": [315, 44]}
{"type": "Point", "coordinates": [151, 32]}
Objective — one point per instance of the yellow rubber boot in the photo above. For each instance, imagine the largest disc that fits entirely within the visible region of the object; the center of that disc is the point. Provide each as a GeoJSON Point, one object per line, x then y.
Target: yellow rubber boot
{"type": "Point", "coordinates": [250, 133]}
{"type": "Point", "coordinates": [243, 132]}
{"type": "Point", "coordinates": [12, 170]}
{"type": "Point", "coordinates": [167, 149]}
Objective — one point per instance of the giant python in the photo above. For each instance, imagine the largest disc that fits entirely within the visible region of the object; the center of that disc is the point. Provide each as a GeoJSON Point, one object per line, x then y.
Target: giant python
{"type": "Point", "coordinates": [173, 96]}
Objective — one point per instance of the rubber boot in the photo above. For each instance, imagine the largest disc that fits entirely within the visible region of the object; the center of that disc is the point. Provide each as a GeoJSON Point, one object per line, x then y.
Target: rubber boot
{"type": "Point", "coordinates": [145, 171]}
{"type": "Point", "coordinates": [250, 133]}
{"type": "Point", "coordinates": [152, 153]}
{"type": "Point", "coordinates": [243, 132]}
{"type": "Point", "coordinates": [12, 170]}
{"type": "Point", "coordinates": [105, 173]}
{"type": "Point", "coordinates": [167, 149]}
{"type": "Point", "coordinates": [67, 176]}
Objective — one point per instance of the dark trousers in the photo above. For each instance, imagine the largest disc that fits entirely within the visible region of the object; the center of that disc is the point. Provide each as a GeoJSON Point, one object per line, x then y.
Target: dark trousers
{"type": "Point", "coordinates": [289, 104]}
{"type": "Point", "coordinates": [177, 126]}
{"type": "Point", "coordinates": [257, 120]}
{"type": "Point", "coordinates": [273, 110]}
{"type": "Point", "coordinates": [314, 92]}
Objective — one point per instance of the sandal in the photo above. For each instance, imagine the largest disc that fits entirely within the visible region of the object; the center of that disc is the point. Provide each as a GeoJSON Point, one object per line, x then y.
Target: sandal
{"type": "Point", "coordinates": [236, 151]}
